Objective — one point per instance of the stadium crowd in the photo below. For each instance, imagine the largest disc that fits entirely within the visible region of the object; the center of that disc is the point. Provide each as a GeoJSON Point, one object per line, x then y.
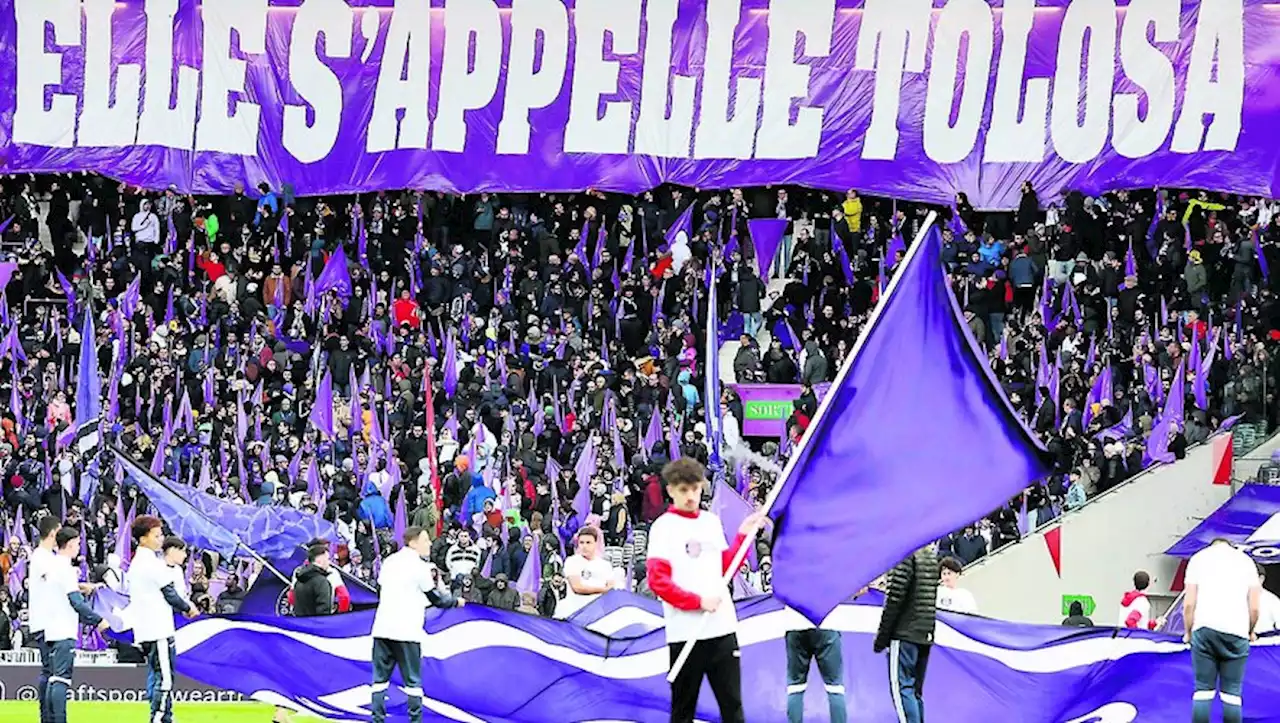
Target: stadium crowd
{"type": "Point", "coordinates": [547, 332]}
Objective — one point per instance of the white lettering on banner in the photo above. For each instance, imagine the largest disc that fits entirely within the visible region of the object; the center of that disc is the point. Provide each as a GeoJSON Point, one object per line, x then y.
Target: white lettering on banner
{"type": "Point", "coordinates": [1214, 88]}
{"type": "Point", "coordinates": [163, 124]}
{"type": "Point", "coordinates": [1114, 81]}
{"type": "Point", "coordinates": [656, 133]}
{"type": "Point", "coordinates": [315, 82]}
{"type": "Point", "coordinates": [404, 81]}
{"type": "Point", "coordinates": [223, 127]}
{"type": "Point", "coordinates": [1014, 139]}
{"type": "Point", "coordinates": [101, 123]}
{"type": "Point", "coordinates": [893, 39]}
{"type": "Point", "coordinates": [719, 136]}
{"type": "Point", "coordinates": [944, 142]}
{"type": "Point", "coordinates": [54, 127]}
{"type": "Point", "coordinates": [1151, 70]}
{"type": "Point", "coordinates": [1075, 142]}
{"type": "Point", "coordinates": [464, 86]}
{"type": "Point", "coordinates": [588, 131]}
{"type": "Point", "coordinates": [786, 80]}
{"type": "Point", "coordinates": [1110, 713]}
{"type": "Point", "coordinates": [528, 87]}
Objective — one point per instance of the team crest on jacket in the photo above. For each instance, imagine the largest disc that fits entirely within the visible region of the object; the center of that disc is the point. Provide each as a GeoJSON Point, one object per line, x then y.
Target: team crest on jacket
{"type": "Point", "coordinates": [693, 548]}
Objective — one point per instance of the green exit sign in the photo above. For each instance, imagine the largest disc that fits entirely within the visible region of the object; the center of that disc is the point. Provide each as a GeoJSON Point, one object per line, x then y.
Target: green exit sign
{"type": "Point", "coordinates": [1086, 601]}
{"type": "Point", "coordinates": [767, 410]}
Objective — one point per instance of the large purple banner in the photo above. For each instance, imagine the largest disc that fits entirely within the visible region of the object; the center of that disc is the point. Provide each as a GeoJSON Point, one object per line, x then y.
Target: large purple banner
{"type": "Point", "coordinates": [908, 98]}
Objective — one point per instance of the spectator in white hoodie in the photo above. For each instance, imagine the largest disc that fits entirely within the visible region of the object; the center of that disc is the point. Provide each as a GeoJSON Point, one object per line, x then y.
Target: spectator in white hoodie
{"type": "Point", "coordinates": [146, 225]}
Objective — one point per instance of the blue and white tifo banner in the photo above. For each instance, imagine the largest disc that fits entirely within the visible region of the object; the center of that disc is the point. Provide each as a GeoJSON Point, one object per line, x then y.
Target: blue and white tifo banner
{"type": "Point", "coordinates": [1249, 520]}
{"type": "Point", "coordinates": [608, 664]}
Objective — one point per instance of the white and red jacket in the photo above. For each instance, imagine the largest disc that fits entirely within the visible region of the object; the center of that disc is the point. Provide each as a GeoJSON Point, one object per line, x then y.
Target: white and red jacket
{"type": "Point", "coordinates": [688, 557]}
{"type": "Point", "coordinates": [1135, 611]}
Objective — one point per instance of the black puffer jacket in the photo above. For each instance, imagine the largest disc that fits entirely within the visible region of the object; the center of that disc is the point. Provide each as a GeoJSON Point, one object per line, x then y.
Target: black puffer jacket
{"type": "Point", "coordinates": [312, 592]}
{"type": "Point", "coordinates": [910, 604]}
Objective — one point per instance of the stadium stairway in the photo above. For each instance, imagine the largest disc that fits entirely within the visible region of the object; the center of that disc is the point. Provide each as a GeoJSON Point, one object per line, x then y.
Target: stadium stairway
{"type": "Point", "coordinates": [1100, 546]}
{"type": "Point", "coordinates": [729, 349]}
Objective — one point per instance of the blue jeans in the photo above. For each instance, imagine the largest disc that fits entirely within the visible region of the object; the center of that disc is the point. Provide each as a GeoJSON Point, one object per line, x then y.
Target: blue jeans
{"type": "Point", "coordinates": [1218, 661]}
{"type": "Point", "coordinates": [61, 655]}
{"type": "Point", "coordinates": [45, 667]}
{"type": "Point", "coordinates": [752, 323]}
{"type": "Point", "coordinates": [908, 663]}
{"type": "Point", "coordinates": [824, 646]}
{"type": "Point", "coordinates": [151, 683]}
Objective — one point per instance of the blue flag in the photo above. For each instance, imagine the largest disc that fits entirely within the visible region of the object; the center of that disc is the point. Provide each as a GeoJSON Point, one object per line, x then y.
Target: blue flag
{"type": "Point", "coordinates": [215, 524]}
{"type": "Point", "coordinates": [914, 440]}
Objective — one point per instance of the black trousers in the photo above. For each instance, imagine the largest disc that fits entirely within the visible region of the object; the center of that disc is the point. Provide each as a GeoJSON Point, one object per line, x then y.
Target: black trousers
{"type": "Point", "coordinates": [391, 655]}
{"type": "Point", "coordinates": [720, 662]}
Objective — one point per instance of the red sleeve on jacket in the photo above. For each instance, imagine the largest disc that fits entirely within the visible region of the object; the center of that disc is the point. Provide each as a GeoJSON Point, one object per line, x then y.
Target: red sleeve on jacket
{"type": "Point", "coordinates": [291, 602]}
{"type": "Point", "coordinates": [727, 556]}
{"type": "Point", "coordinates": [660, 582]}
{"type": "Point", "coordinates": [1132, 620]}
{"type": "Point", "coordinates": [343, 597]}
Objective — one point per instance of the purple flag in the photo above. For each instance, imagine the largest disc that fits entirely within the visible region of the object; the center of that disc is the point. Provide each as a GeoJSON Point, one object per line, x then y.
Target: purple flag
{"type": "Point", "coordinates": [88, 386]}
{"type": "Point", "coordinates": [683, 224]}
{"type": "Point", "coordinates": [1098, 393]}
{"type": "Point", "coordinates": [1262, 257]}
{"type": "Point", "coordinates": [68, 290]}
{"type": "Point", "coordinates": [335, 276]}
{"type": "Point", "coordinates": [530, 580]}
{"type": "Point", "coordinates": [1158, 441]}
{"type": "Point", "coordinates": [16, 575]}
{"type": "Point", "coordinates": [1130, 263]}
{"type": "Point", "coordinates": [583, 471]}
{"type": "Point", "coordinates": [535, 408]}
{"type": "Point", "coordinates": [766, 236]}
{"type": "Point", "coordinates": [653, 433]}
{"type": "Point", "coordinates": [1120, 429]}
{"type": "Point", "coordinates": [1153, 245]}
{"type": "Point", "coordinates": [916, 372]}
{"type": "Point", "coordinates": [1024, 521]}
{"type": "Point", "coordinates": [729, 506]}
{"type": "Point", "coordinates": [401, 521]}
{"type": "Point", "coordinates": [322, 409]}
{"type": "Point", "coordinates": [450, 366]}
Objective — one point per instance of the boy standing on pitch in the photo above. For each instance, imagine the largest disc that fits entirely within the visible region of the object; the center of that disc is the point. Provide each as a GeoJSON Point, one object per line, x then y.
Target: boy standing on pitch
{"type": "Point", "coordinates": [688, 558]}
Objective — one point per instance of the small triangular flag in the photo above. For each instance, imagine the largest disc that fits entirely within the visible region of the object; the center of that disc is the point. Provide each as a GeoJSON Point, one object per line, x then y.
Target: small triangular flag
{"type": "Point", "coordinates": [1225, 451]}
{"type": "Point", "coordinates": [1053, 540]}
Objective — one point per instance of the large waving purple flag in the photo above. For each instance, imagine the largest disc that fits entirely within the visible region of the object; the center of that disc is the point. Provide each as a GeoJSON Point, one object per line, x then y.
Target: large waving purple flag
{"type": "Point", "coordinates": [914, 417]}
{"type": "Point", "coordinates": [215, 524]}
{"type": "Point", "coordinates": [766, 236]}
{"type": "Point", "coordinates": [335, 276]}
